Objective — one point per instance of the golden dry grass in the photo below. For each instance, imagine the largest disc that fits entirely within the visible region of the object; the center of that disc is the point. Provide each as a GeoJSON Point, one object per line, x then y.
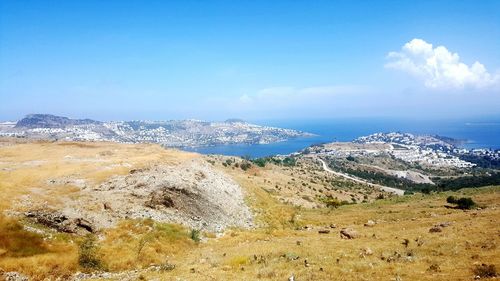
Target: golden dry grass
{"type": "Point", "coordinates": [276, 249]}
{"type": "Point", "coordinates": [26, 166]}
{"type": "Point", "coordinates": [140, 243]}
{"type": "Point", "coordinates": [471, 239]}
{"type": "Point", "coordinates": [28, 252]}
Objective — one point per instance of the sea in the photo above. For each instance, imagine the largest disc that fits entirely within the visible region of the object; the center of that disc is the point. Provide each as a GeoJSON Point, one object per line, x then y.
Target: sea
{"type": "Point", "coordinates": [474, 133]}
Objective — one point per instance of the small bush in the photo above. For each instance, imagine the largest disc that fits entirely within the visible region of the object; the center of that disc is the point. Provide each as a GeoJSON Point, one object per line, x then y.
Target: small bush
{"type": "Point", "coordinates": [332, 202]}
{"type": "Point", "coordinates": [195, 235]}
{"type": "Point", "coordinates": [463, 203]}
{"type": "Point", "coordinates": [245, 166]}
{"type": "Point", "coordinates": [451, 200]}
{"type": "Point", "coordinates": [289, 162]}
{"type": "Point", "coordinates": [485, 270]}
{"type": "Point", "coordinates": [88, 258]}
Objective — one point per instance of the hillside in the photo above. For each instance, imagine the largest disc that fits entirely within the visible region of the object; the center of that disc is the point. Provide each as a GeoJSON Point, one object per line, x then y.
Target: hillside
{"type": "Point", "coordinates": [141, 212]}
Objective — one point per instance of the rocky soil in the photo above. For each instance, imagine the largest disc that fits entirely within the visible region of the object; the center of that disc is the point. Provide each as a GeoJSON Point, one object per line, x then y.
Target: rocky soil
{"type": "Point", "coordinates": [191, 193]}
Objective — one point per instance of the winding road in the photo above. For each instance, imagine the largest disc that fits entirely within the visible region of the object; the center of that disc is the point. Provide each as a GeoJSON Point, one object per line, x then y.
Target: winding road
{"type": "Point", "coordinates": [393, 190]}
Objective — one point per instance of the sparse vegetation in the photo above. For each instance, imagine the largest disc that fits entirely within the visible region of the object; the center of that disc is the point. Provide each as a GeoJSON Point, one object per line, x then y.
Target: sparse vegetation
{"type": "Point", "coordinates": [195, 235]}
{"type": "Point", "coordinates": [245, 165]}
{"type": "Point", "coordinates": [463, 203]}
{"type": "Point", "coordinates": [485, 271]}
{"type": "Point", "coordinates": [286, 238]}
{"type": "Point", "coordinates": [89, 258]}
{"type": "Point", "coordinates": [332, 202]}
{"type": "Point", "coordinates": [17, 242]}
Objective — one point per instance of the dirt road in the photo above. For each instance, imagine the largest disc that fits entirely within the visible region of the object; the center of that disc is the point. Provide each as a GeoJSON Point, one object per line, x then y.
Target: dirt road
{"type": "Point", "coordinates": [396, 191]}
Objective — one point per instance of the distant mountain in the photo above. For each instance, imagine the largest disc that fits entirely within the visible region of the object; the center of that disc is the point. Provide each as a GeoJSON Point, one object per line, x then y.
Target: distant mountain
{"type": "Point", "coordinates": [172, 133]}
{"type": "Point", "coordinates": [51, 121]}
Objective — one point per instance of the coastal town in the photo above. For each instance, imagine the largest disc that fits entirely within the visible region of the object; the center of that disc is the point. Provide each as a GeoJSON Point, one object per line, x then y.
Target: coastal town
{"type": "Point", "coordinates": [172, 133]}
{"type": "Point", "coordinates": [433, 151]}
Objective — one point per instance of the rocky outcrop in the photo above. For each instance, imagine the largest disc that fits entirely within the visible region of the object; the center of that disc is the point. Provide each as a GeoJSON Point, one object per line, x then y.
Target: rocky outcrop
{"type": "Point", "coordinates": [60, 221]}
{"type": "Point", "coordinates": [190, 192]}
{"type": "Point", "coordinates": [193, 194]}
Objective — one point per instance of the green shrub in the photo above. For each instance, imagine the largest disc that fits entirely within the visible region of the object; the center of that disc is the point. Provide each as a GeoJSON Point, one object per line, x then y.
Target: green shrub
{"type": "Point", "coordinates": [332, 202]}
{"type": "Point", "coordinates": [289, 162]}
{"type": "Point", "coordinates": [464, 203]}
{"type": "Point", "coordinates": [195, 235]}
{"type": "Point", "coordinates": [451, 200]}
{"type": "Point", "coordinates": [88, 257]}
{"type": "Point", "coordinates": [245, 166]}
{"type": "Point", "coordinates": [261, 162]}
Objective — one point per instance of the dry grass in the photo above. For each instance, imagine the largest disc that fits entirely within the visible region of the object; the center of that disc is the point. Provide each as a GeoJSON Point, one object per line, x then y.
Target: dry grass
{"type": "Point", "coordinates": [140, 243]}
{"type": "Point", "coordinates": [26, 166]}
{"type": "Point", "coordinates": [28, 252]}
{"type": "Point", "coordinates": [278, 248]}
{"type": "Point", "coordinates": [452, 254]}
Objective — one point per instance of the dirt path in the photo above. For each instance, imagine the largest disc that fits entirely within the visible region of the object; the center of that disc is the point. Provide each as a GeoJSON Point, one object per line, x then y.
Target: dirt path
{"type": "Point", "coordinates": [396, 191]}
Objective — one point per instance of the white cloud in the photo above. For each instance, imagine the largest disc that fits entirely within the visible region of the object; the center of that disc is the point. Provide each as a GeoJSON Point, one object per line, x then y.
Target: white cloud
{"type": "Point", "coordinates": [286, 101]}
{"type": "Point", "coordinates": [440, 68]}
{"type": "Point", "coordinates": [290, 95]}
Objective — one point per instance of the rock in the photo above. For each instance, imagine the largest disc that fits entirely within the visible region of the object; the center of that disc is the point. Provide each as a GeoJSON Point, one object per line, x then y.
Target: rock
{"type": "Point", "coordinates": [370, 223]}
{"type": "Point", "coordinates": [290, 256]}
{"type": "Point", "coordinates": [60, 221]}
{"type": "Point", "coordinates": [348, 233]}
{"type": "Point", "coordinates": [323, 231]}
{"type": "Point", "coordinates": [366, 252]}
{"type": "Point", "coordinates": [406, 242]}
{"type": "Point", "coordinates": [333, 225]}
{"type": "Point", "coordinates": [160, 198]}
{"type": "Point", "coordinates": [85, 224]}
{"type": "Point", "coordinates": [443, 224]}
{"type": "Point", "coordinates": [14, 276]}
{"type": "Point", "coordinates": [435, 229]}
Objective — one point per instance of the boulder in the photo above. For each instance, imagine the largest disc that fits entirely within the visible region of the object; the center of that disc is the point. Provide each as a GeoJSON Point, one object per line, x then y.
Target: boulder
{"type": "Point", "coordinates": [348, 233]}
{"type": "Point", "coordinates": [370, 223]}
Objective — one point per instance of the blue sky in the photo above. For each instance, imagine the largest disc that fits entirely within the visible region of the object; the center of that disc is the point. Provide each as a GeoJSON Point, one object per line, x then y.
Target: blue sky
{"type": "Point", "coordinates": [249, 59]}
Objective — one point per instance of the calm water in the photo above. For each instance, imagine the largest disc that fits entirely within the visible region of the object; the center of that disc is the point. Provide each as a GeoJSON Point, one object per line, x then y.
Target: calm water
{"type": "Point", "coordinates": [476, 133]}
